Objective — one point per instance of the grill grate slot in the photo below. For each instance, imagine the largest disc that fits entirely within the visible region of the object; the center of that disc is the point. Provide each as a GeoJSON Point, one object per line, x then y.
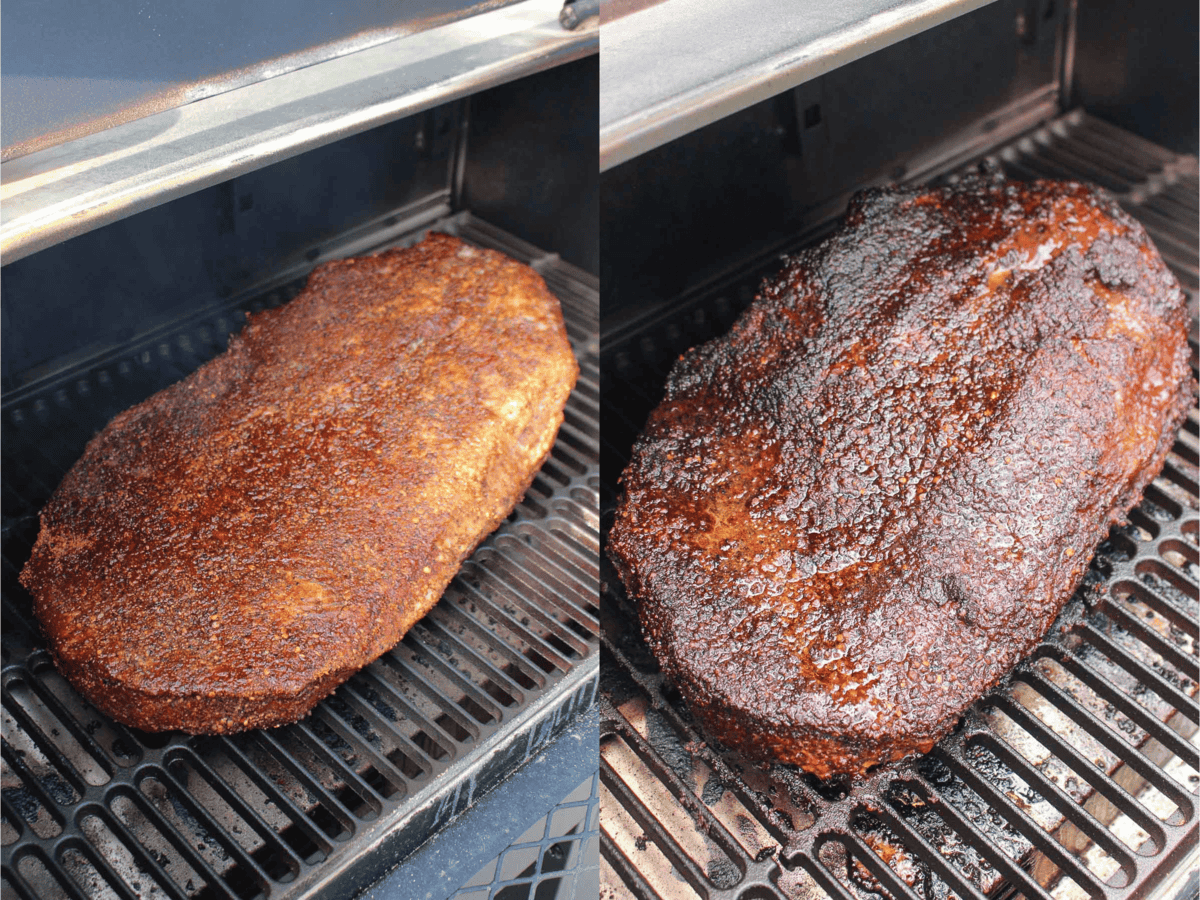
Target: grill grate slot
{"type": "Point", "coordinates": [177, 818]}
{"type": "Point", "coordinates": [1017, 817]}
{"type": "Point", "coordinates": [298, 790]}
{"type": "Point", "coordinates": [867, 869]}
{"type": "Point", "coordinates": [910, 813]}
{"type": "Point", "coordinates": [1172, 695]}
{"type": "Point", "coordinates": [692, 853]}
{"type": "Point", "coordinates": [964, 814]}
{"type": "Point", "coordinates": [26, 798]}
{"type": "Point", "coordinates": [1054, 763]}
{"type": "Point", "coordinates": [1077, 778]}
{"type": "Point", "coordinates": [243, 786]}
{"type": "Point", "coordinates": [153, 852]}
{"type": "Point", "coordinates": [531, 626]}
{"type": "Point", "coordinates": [94, 809]}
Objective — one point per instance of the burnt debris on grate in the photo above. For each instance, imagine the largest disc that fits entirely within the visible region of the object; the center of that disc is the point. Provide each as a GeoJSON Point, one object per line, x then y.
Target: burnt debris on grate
{"type": "Point", "coordinates": [94, 809]}
{"type": "Point", "coordinates": [1075, 778]}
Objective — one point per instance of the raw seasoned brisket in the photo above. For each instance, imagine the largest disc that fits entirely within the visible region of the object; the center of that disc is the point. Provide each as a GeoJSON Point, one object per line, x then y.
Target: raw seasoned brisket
{"type": "Point", "coordinates": [230, 550]}
{"type": "Point", "coordinates": [854, 513]}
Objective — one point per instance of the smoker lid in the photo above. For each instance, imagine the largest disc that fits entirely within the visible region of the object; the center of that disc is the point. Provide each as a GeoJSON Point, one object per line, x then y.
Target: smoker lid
{"type": "Point", "coordinates": [125, 61]}
{"type": "Point", "coordinates": [672, 67]}
{"type": "Point", "coordinates": [204, 132]}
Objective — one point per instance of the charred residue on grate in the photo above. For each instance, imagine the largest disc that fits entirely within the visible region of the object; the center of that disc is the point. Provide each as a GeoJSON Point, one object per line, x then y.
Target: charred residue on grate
{"type": "Point", "coordinates": [1075, 778]}
{"type": "Point", "coordinates": [92, 808]}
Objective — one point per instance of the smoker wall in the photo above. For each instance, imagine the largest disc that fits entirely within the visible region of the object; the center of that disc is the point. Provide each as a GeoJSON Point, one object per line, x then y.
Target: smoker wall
{"type": "Point", "coordinates": [528, 162]}
{"type": "Point", "coordinates": [1135, 65]}
{"type": "Point", "coordinates": [532, 160]}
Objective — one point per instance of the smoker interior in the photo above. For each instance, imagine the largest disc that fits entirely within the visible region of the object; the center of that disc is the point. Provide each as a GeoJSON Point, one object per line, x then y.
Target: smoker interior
{"type": "Point", "coordinates": [504, 661]}
{"type": "Point", "coordinates": [502, 665]}
{"type": "Point", "coordinates": [507, 658]}
{"type": "Point", "coordinates": [1077, 777]}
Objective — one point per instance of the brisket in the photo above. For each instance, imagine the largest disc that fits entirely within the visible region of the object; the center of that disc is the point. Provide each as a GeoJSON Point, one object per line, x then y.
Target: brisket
{"type": "Point", "coordinates": [853, 514]}
{"type": "Point", "coordinates": [230, 550]}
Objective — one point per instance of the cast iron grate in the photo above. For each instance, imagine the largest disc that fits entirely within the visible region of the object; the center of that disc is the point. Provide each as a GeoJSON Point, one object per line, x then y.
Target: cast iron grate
{"type": "Point", "coordinates": [1076, 778]}
{"type": "Point", "coordinates": [507, 658]}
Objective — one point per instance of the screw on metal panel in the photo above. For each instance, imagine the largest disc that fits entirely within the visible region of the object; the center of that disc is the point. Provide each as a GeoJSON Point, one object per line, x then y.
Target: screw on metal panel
{"type": "Point", "coordinates": [576, 12]}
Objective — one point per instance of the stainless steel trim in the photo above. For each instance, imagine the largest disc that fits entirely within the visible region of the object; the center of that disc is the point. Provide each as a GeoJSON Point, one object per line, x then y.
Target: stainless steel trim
{"type": "Point", "coordinates": [673, 67]}
{"type": "Point", "coordinates": [1182, 883]}
{"type": "Point", "coordinates": [67, 190]}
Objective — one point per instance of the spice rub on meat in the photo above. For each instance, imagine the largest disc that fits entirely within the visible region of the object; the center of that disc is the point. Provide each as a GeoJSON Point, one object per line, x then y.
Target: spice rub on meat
{"type": "Point", "coordinates": [230, 550]}
{"type": "Point", "coordinates": [854, 513]}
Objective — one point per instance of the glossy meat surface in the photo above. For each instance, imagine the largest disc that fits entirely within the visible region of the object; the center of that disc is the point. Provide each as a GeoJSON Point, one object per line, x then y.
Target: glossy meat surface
{"type": "Point", "coordinates": [854, 513]}
{"type": "Point", "coordinates": [230, 550]}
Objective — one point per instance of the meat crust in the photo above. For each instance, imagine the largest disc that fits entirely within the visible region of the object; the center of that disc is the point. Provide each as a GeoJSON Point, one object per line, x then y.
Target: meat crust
{"type": "Point", "coordinates": [854, 513]}
{"type": "Point", "coordinates": [230, 550]}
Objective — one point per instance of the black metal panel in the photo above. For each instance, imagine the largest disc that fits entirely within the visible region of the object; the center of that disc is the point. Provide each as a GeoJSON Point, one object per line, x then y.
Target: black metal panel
{"type": "Point", "coordinates": [1077, 777]}
{"type": "Point", "coordinates": [323, 807]}
{"type": "Point", "coordinates": [1137, 66]}
{"type": "Point", "coordinates": [532, 159]}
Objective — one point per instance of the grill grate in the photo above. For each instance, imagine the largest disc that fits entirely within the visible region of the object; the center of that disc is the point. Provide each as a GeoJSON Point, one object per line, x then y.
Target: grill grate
{"type": "Point", "coordinates": [510, 654]}
{"type": "Point", "coordinates": [1076, 778]}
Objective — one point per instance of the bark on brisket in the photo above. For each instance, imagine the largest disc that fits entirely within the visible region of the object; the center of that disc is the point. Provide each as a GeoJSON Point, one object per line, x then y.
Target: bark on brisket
{"type": "Point", "coordinates": [855, 512]}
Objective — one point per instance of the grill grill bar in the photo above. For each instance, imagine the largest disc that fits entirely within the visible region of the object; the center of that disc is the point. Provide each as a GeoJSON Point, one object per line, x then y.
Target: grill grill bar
{"type": "Point", "coordinates": [502, 664]}
{"type": "Point", "coordinates": [1076, 778]}
{"type": "Point", "coordinates": [958, 882]}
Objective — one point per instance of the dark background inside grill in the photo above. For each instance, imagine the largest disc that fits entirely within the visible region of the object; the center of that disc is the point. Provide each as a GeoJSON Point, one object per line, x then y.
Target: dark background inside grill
{"type": "Point", "coordinates": [689, 232]}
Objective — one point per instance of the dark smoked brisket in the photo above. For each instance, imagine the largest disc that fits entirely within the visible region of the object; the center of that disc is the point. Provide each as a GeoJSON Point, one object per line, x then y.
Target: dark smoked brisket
{"type": "Point", "coordinates": [854, 513]}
